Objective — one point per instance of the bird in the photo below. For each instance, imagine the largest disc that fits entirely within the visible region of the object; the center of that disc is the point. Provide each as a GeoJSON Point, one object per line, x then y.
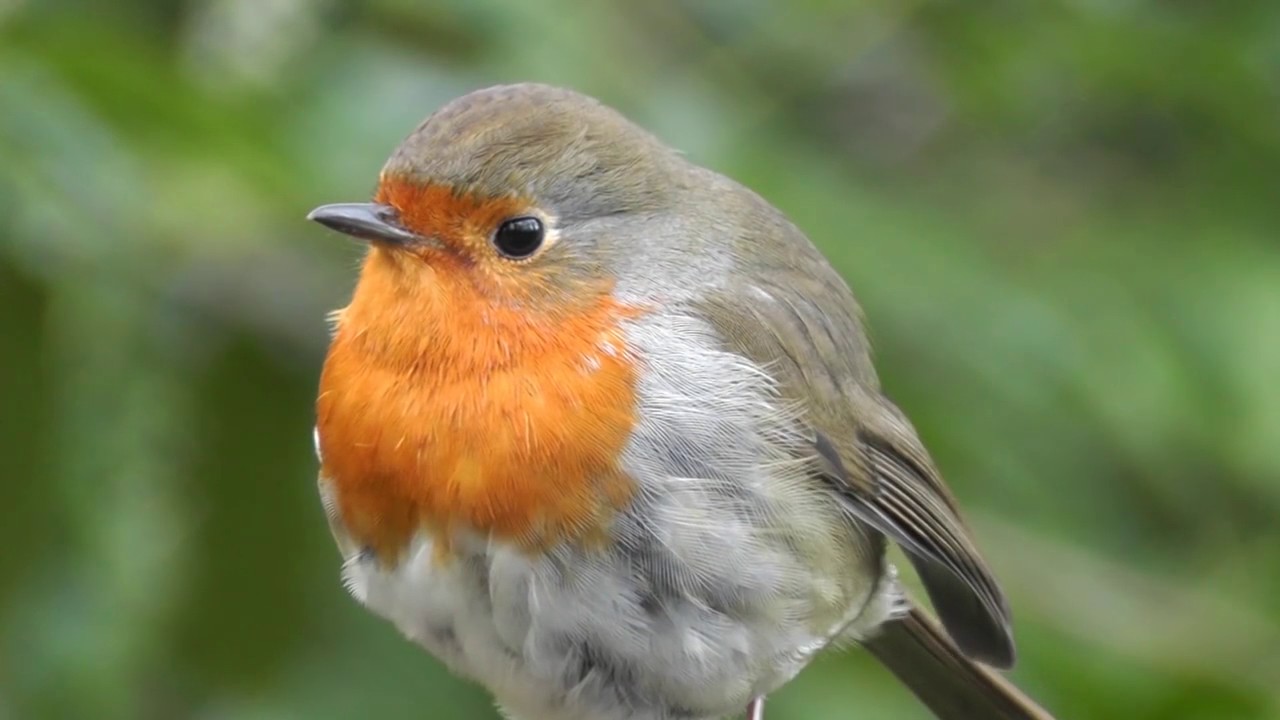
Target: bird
{"type": "Point", "coordinates": [600, 429]}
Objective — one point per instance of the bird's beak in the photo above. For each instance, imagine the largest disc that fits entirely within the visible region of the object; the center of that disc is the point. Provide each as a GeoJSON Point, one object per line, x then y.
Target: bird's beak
{"type": "Point", "coordinates": [368, 221]}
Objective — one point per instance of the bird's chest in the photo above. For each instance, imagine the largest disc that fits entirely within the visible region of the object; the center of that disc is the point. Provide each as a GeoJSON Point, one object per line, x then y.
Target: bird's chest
{"type": "Point", "coordinates": [506, 434]}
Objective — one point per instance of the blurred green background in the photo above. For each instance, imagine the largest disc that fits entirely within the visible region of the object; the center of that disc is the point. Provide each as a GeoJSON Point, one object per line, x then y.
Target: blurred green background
{"type": "Point", "coordinates": [1063, 219]}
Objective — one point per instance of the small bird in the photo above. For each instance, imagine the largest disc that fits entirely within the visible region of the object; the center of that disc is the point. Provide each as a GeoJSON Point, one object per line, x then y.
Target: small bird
{"type": "Point", "coordinates": [600, 430]}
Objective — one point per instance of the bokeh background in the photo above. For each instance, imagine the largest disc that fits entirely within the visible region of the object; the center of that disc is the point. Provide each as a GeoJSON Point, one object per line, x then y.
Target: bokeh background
{"type": "Point", "coordinates": [1062, 217]}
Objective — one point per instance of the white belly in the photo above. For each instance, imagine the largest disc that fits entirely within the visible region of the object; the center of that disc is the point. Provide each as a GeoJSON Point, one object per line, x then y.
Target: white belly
{"type": "Point", "coordinates": [591, 636]}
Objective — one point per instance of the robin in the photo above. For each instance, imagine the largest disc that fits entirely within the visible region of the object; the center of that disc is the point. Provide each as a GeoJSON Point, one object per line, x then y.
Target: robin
{"type": "Point", "coordinates": [600, 430]}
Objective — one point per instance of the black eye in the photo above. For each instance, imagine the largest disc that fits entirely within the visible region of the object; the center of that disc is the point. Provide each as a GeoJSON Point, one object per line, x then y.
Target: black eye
{"type": "Point", "coordinates": [519, 237]}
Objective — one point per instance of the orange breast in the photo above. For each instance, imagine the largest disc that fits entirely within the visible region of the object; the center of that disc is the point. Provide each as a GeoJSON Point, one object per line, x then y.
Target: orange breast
{"type": "Point", "coordinates": [439, 410]}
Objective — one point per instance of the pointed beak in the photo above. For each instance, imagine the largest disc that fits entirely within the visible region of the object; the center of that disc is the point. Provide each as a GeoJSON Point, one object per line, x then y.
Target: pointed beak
{"type": "Point", "coordinates": [368, 221]}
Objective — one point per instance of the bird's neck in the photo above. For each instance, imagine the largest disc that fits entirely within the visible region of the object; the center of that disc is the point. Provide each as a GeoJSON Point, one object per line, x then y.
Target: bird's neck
{"type": "Point", "coordinates": [441, 412]}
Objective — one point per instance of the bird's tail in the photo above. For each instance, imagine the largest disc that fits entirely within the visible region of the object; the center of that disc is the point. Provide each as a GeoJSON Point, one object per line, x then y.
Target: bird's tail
{"type": "Point", "coordinates": [920, 654]}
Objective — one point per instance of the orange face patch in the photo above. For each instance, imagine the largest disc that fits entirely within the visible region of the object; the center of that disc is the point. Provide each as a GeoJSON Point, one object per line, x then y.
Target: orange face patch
{"type": "Point", "coordinates": [441, 409]}
{"type": "Point", "coordinates": [460, 220]}
{"type": "Point", "coordinates": [463, 224]}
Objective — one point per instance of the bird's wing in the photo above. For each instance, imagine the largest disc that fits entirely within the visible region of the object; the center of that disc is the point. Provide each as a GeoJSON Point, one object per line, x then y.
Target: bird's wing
{"type": "Point", "coordinates": [806, 328]}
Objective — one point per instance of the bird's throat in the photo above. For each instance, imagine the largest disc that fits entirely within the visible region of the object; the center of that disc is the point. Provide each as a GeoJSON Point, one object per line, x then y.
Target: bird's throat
{"type": "Point", "coordinates": [440, 411]}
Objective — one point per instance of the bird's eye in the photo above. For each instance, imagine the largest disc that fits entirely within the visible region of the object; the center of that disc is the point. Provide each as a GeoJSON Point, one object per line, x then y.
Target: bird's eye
{"type": "Point", "coordinates": [519, 238]}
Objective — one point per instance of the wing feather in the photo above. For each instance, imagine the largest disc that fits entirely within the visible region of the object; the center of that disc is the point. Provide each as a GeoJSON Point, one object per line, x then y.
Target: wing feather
{"type": "Point", "coordinates": [807, 329]}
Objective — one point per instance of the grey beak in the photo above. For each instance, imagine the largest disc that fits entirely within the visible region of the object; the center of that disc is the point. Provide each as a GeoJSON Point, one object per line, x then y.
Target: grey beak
{"type": "Point", "coordinates": [367, 221]}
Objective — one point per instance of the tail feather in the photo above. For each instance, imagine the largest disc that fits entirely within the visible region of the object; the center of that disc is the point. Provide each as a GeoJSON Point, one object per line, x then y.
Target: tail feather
{"type": "Point", "coordinates": [920, 654]}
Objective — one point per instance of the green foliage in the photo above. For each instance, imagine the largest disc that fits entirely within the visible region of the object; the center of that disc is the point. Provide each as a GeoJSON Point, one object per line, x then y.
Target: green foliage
{"type": "Point", "coordinates": [1062, 218]}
